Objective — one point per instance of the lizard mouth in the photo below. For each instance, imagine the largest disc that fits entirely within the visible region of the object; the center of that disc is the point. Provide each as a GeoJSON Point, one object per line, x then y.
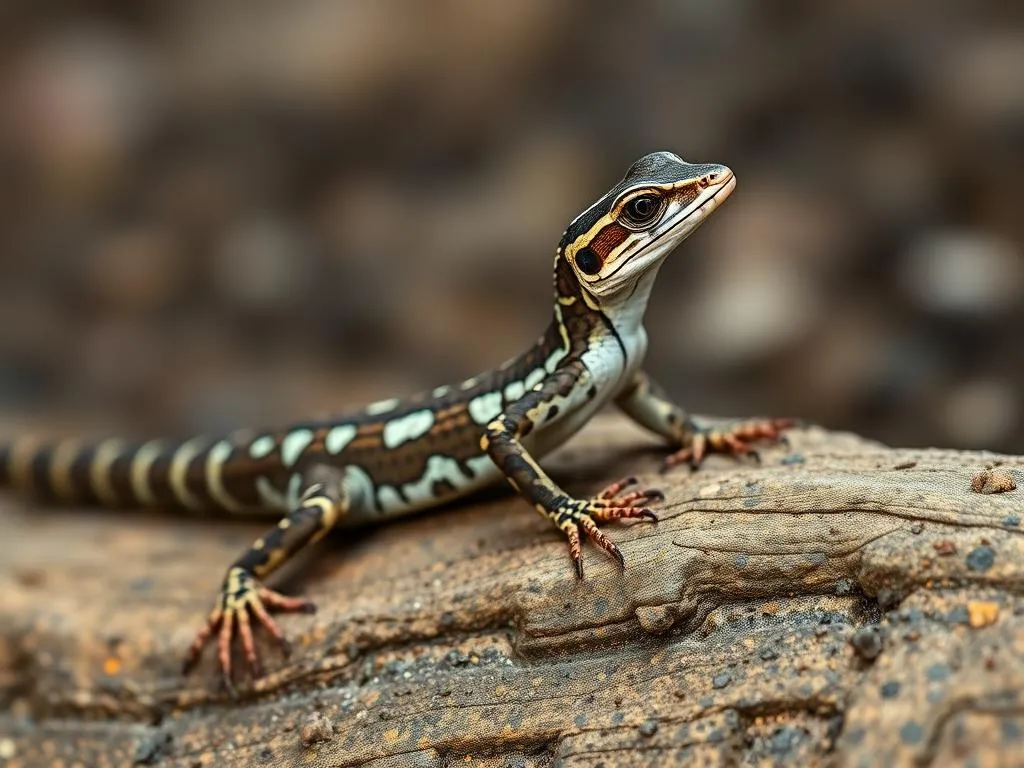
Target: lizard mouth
{"type": "Point", "coordinates": [691, 219]}
{"type": "Point", "coordinates": [725, 189]}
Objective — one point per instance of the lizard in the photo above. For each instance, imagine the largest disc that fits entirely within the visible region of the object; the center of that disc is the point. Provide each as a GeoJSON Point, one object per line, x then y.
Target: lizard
{"type": "Point", "coordinates": [403, 455]}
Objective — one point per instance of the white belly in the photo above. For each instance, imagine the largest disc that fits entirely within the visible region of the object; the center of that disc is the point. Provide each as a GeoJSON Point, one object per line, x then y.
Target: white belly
{"type": "Point", "coordinates": [610, 372]}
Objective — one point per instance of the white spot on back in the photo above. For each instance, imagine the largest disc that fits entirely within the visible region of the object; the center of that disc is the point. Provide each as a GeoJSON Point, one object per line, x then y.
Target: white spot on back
{"type": "Point", "coordinates": [441, 391]}
{"type": "Point", "coordinates": [389, 499]}
{"type": "Point", "coordinates": [294, 444]}
{"type": "Point", "coordinates": [514, 391]}
{"type": "Point", "coordinates": [262, 446]}
{"type": "Point", "coordinates": [270, 497]}
{"type": "Point", "coordinates": [295, 490]}
{"type": "Point", "coordinates": [408, 427]}
{"type": "Point", "coordinates": [533, 378]}
{"type": "Point", "coordinates": [468, 383]}
{"type": "Point", "coordinates": [339, 437]}
{"type": "Point", "coordinates": [481, 466]}
{"type": "Point", "coordinates": [484, 408]}
{"type": "Point", "coordinates": [440, 468]}
{"type": "Point", "coordinates": [381, 406]}
{"type": "Point", "coordinates": [553, 360]}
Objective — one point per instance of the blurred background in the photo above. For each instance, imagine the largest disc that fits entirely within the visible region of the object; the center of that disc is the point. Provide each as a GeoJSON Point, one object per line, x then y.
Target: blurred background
{"type": "Point", "coordinates": [215, 214]}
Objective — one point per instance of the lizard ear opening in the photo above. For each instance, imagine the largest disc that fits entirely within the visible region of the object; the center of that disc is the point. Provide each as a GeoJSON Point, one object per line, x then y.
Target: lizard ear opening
{"type": "Point", "coordinates": [588, 261]}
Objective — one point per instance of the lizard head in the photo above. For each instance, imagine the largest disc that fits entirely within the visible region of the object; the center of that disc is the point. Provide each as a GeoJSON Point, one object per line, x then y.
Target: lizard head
{"type": "Point", "coordinates": [626, 235]}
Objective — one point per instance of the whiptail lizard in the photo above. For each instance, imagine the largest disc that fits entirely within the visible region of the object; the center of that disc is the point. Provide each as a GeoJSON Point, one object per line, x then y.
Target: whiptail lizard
{"type": "Point", "coordinates": [400, 456]}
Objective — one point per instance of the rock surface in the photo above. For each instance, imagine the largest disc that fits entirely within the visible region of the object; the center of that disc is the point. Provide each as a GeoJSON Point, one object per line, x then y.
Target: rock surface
{"type": "Point", "coordinates": [842, 603]}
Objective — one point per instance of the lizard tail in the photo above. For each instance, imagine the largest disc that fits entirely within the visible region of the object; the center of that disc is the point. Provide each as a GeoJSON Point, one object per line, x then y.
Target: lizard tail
{"type": "Point", "coordinates": [202, 474]}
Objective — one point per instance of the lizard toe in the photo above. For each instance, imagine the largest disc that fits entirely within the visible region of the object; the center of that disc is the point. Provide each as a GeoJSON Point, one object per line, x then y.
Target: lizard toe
{"type": "Point", "coordinates": [242, 600]}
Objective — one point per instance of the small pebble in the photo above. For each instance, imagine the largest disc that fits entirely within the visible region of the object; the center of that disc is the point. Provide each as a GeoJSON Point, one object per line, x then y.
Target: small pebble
{"type": "Point", "coordinates": [317, 728]}
{"type": "Point", "coordinates": [945, 547]}
{"type": "Point", "coordinates": [982, 614]}
{"type": "Point", "coordinates": [981, 558]}
{"type": "Point", "coordinates": [868, 642]}
{"type": "Point", "coordinates": [153, 749]}
{"type": "Point", "coordinates": [890, 689]}
{"type": "Point", "coordinates": [649, 727]}
{"type": "Point", "coordinates": [993, 481]}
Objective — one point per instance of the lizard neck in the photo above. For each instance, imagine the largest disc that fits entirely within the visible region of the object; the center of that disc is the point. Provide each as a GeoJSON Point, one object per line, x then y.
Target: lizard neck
{"type": "Point", "coordinates": [585, 320]}
{"type": "Point", "coordinates": [626, 313]}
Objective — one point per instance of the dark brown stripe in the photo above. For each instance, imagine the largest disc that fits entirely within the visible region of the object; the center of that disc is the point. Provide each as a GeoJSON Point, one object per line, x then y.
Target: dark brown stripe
{"type": "Point", "coordinates": [159, 478]}
{"type": "Point", "coordinates": [121, 479]}
{"type": "Point", "coordinates": [80, 475]}
{"type": "Point", "coordinates": [241, 472]}
{"type": "Point", "coordinates": [608, 239]}
{"type": "Point", "coordinates": [197, 480]}
{"type": "Point", "coordinates": [39, 473]}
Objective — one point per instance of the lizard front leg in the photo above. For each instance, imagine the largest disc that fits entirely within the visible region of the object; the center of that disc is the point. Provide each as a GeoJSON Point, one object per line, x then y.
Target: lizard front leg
{"type": "Point", "coordinates": [647, 404]}
{"type": "Point", "coordinates": [502, 441]}
{"type": "Point", "coordinates": [243, 596]}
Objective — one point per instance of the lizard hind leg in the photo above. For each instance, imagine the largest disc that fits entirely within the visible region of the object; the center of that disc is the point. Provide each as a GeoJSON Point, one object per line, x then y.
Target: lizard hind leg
{"type": "Point", "coordinates": [243, 597]}
{"type": "Point", "coordinates": [735, 439]}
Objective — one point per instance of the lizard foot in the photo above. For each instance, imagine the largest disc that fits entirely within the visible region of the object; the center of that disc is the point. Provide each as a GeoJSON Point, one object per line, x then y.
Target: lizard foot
{"type": "Point", "coordinates": [735, 440]}
{"type": "Point", "coordinates": [613, 503]}
{"type": "Point", "coordinates": [241, 595]}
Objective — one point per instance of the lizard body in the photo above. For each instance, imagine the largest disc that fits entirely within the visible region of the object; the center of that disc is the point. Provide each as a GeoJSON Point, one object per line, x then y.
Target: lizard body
{"type": "Point", "coordinates": [400, 456]}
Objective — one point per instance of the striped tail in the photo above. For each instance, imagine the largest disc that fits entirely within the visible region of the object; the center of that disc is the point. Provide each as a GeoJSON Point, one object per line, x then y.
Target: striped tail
{"type": "Point", "coordinates": [202, 474]}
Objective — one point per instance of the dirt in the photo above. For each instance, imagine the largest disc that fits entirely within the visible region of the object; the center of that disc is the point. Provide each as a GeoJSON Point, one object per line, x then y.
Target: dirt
{"type": "Point", "coordinates": [860, 606]}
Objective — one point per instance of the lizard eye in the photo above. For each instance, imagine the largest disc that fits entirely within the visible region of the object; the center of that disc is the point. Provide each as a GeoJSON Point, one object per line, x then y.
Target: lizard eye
{"type": "Point", "coordinates": [642, 210]}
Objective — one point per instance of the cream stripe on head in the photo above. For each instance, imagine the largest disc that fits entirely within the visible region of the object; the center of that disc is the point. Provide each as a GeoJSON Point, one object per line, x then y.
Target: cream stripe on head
{"type": "Point", "coordinates": [626, 234]}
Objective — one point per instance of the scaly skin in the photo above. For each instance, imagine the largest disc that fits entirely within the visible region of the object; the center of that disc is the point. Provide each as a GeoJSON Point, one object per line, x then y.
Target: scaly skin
{"type": "Point", "coordinates": [400, 456]}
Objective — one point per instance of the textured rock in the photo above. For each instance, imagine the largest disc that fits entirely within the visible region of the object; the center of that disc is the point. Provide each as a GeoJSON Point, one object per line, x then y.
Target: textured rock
{"type": "Point", "coordinates": [859, 606]}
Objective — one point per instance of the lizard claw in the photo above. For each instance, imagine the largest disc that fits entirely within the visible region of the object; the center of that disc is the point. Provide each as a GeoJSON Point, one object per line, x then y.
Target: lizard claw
{"type": "Point", "coordinates": [242, 598]}
{"type": "Point", "coordinates": [613, 495]}
{"type": "Point", "coordinates": [735, 441]}
{"type": "Point", "coordinates": [574, 516]}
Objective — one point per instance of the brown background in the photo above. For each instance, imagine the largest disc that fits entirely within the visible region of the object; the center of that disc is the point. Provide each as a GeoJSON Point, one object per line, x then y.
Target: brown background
{"type": "Point", "coordinates": [216, 214]}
